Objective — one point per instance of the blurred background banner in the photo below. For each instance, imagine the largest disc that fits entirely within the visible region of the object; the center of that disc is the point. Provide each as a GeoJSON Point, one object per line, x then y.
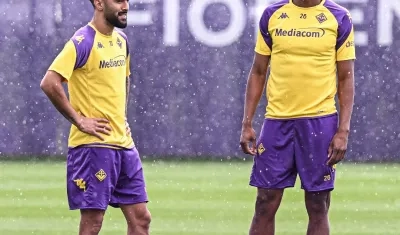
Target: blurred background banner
{"type": "Point", "coordinates": [190, 61]}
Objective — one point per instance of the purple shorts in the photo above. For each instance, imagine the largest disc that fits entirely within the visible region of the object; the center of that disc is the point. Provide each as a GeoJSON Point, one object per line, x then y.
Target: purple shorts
{"type": "Point", "coordinates": [290, 147]}
{"type": "Point", "coordinates": [99, 176]}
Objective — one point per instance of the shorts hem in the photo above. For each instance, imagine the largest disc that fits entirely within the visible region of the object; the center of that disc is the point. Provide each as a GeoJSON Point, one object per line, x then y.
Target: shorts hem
{"type": "Point", "coordinates": [87, 208]}
{"type": "Point", "coordinates": [319, 189]}
{"type": "Point", "coordinates": [117, 205]}
{"type": "Point", "coordinates": [271, 187]}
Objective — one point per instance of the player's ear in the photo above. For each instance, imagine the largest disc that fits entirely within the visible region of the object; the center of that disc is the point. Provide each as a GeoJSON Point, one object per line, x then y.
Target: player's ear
{"type": "Point", "coordinates": [99, 4]}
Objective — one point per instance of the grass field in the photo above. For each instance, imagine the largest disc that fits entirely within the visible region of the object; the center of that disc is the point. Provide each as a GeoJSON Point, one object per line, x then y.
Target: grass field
{"type": "Point", "coordinates": [200, 198]}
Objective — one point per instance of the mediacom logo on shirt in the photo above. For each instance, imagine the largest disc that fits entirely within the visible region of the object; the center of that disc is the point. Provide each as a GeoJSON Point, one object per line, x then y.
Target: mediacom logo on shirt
{"type": "Point", "coordinates": [114, 62]}
{"type": "Point", "coordinates": [302, 33]}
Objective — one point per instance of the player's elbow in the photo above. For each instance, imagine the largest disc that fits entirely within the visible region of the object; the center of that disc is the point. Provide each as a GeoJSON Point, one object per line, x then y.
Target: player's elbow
{"type": "Point", "coordinates": [259, 72]}
{"type": "Point", "coordinates": [346, 77]}
{"type": "Point", "coordinates": [45, 85]}
{"type": "Point", "coordinates": [50, 82]}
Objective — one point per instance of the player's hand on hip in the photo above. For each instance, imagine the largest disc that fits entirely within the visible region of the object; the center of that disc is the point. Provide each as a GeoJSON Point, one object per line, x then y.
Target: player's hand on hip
{"type": "Point", "coordinates": [248, 140]}
{"type": "Point", "coordinates": [94, 126]}
{"type": "Point", "coordinates": [337, 148]}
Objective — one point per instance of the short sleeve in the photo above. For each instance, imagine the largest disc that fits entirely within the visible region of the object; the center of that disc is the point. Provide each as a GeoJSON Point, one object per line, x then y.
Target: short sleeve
{"type": "Point", "coordinates": [345, 48]}
{"type": "Point", "coordinates": [64, 63]}
{"type": "Point", "coordinates": [264, 40]}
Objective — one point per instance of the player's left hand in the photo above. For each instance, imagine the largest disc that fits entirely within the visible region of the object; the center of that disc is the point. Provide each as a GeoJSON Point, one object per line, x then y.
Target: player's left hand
{"type": "Point", "coordinates": [337, 148]}
{"type": "Point", "coordinates": [127, 128]}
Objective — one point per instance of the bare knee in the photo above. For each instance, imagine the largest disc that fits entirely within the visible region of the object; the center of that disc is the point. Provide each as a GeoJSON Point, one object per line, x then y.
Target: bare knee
{"type": "Point", "coordinates": [267, 203]}
{"type": "Point", "coordinates": [317, 204]}
{"type": "Point", "coordinates": [143, 219]}
{"type": "Point", "coordinates": [138, 219]}
{"type": "Point", "coordinates": [91, 222]}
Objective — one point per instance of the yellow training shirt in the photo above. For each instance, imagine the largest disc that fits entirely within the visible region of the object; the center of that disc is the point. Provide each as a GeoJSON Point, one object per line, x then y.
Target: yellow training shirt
{"type": "Point", "coordinates": [304, 45]}
{"type": "Point", "coordinates": [96, 67]}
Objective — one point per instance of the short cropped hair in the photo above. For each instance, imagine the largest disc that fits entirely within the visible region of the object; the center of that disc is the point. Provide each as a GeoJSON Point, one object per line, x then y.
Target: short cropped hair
{"type": "Point", "coordinates": [92, 1]}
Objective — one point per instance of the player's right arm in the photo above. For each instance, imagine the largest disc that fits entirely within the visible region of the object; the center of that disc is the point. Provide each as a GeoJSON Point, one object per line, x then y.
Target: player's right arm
{"type": "Point", "coordinates": [51, 84]}
{"type": "Point", "coordinates": [254, 90]}
{"type": "Point", "coordinates": [255, 85]}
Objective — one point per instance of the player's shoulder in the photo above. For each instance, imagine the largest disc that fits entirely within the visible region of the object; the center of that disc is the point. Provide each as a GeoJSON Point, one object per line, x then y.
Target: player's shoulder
{"type": "Point", "coordinates": [272, 8]}
{"type": "Point", "coordinates": [83, 38]}
{"type": "Point", "coordinates": [337, 10]}
{"type": "Point", "coordinates": [122, 34]}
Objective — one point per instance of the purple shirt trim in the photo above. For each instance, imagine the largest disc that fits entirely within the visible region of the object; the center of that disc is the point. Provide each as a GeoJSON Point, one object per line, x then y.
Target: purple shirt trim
{"type": "Point", "coordinates": [264, 21]}
{"type": "Point", "coordinates": [126, 40]}
{"type": "Point", "coordinates": [83, 40]}
{"type": "Point", "coordinates": [342, 17]}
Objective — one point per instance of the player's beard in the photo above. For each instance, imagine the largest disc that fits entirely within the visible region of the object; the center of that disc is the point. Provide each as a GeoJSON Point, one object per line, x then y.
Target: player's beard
{"type": "Point", "coordinates": [113, 19]}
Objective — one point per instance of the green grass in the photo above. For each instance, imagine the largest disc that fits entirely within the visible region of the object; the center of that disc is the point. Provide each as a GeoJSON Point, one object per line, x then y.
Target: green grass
{"type": "Point", "coordinates": [200, 198]}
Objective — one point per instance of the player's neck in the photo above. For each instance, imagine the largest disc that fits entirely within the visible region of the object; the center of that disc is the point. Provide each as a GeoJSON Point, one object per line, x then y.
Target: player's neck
{"type": "Point", "coordinates": [306, 3]}
{"type": "Point", "coordinates": [102, 25]}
